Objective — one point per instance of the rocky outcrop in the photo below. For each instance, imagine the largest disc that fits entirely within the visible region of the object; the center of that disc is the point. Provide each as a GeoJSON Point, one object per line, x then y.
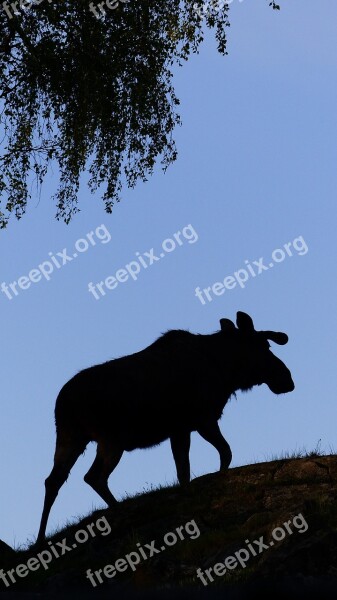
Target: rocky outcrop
{"type": "Point", "coordinates": [267, 528]}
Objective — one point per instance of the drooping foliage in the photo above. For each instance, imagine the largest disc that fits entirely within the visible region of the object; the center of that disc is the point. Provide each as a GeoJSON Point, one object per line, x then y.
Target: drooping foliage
{"type": "Point", "coordinates": [81, 91]}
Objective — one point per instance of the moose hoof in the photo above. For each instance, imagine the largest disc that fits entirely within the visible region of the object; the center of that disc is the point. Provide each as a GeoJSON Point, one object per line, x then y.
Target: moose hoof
{"type": "Point", "coordinates": [224, 469]}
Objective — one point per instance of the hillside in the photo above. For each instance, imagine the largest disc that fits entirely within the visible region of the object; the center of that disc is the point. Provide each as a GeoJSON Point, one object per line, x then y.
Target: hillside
{"type": "Point", "coordinates": [267, 528]}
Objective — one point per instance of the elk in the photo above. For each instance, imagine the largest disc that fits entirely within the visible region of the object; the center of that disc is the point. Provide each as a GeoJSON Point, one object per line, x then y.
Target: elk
{"type": "Point", "coordinates": [177, 385]}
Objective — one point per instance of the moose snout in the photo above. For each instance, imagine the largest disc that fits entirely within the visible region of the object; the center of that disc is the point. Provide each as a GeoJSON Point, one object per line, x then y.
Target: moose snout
{"type": "Point", "coordinates": [290, 386]}
{"type": "Point", "coordinates": [288, 382]}
{"type": "Point", "coordinates": [282, 386]}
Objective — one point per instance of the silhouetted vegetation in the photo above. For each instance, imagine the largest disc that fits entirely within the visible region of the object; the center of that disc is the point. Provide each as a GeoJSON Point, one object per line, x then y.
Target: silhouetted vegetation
{"type": "Point", "coordinates": [83, 92]}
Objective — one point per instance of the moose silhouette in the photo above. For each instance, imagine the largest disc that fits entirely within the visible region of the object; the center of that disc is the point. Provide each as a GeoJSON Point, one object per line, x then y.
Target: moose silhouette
{"type": "Point", "coordinates": [177, 385]}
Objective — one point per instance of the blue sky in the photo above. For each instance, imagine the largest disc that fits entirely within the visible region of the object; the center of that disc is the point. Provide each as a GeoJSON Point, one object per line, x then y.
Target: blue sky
{"type": "Point", "coordinates": [256, 170]}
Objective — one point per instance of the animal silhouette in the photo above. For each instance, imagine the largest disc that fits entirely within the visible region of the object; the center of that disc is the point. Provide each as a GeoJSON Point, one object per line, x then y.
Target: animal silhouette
{"type": "Point", "coordinates": [177, 385]}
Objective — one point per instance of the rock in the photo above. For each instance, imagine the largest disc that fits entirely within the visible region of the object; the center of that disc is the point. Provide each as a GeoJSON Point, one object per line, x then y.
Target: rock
{"type": "Point", "coordinates": [5, 550]}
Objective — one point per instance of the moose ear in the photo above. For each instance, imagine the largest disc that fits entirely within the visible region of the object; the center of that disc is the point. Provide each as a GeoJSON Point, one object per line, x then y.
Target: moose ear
{"type": "Point", "coordinates": [276, 336]}
{"type": "Point", "coordinates": [227, 325]}
{"type": "Point", "coordinates": [244, 322]}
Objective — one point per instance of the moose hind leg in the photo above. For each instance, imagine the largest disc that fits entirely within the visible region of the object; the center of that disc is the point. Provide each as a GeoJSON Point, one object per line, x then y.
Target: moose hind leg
{"type": "Point", "coordinates": [107, 458]}
{"type": "Point", "coordinates": [180, 444]}
{"type": "Point", "coordinates": [212, 434]}
{"type": "Point", "coordinates": [66, 454]}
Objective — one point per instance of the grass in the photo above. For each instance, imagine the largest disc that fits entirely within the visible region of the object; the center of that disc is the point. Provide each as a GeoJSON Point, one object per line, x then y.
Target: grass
{"type": "Point", "coordinates": [226, 515]}
{"type": "Point", "coordinates": [301, 453]}
{"type": "Point", "coordinates": [162, 491]}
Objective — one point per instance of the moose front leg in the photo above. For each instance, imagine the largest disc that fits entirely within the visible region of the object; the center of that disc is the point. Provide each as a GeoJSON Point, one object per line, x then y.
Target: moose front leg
{"type": "Point", "coordinates": [180, 444]}
{"type": "Point", "coordinates": [210, 431]}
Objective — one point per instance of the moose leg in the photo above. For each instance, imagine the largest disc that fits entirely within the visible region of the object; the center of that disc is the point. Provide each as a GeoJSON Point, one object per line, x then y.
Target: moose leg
{"type": "Point", "coordinates": [180, 444]}
{"type": "Point", "coordinates": [66, 454]}
{"type": "Point", "coordinates": [107, 458]}
{"type": "Point", "coordinates": [210, 431]}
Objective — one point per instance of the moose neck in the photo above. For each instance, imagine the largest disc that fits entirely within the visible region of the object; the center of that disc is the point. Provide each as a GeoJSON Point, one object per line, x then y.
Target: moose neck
{"type": "Point", "coordinates": [236, 373]}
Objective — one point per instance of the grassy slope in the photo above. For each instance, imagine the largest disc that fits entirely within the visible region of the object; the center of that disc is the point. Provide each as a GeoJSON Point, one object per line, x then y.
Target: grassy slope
{"type": "Point", "coordinates": [228, 508]}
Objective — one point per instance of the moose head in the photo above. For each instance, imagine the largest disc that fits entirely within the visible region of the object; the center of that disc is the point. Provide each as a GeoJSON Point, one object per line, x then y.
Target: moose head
{"type": "Point", "coordinates": [257, 362]}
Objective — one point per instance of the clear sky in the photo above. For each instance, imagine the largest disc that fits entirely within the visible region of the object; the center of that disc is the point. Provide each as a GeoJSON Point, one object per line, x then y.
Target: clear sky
{"type": "Point", "coordinates": [257, 169]}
